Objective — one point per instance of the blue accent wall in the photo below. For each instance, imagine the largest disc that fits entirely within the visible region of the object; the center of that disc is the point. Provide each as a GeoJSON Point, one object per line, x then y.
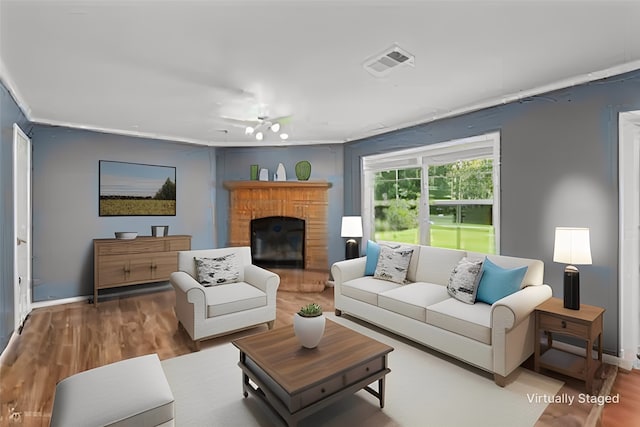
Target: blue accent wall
{"type": "Point", "coordinates": [10, 113]}
{"type": "Point", "coordinates": [559, 167]}
{"type": "Point", "coordinates": [65, 201]}
{"type": "Point", "coordinates": [233, 164]}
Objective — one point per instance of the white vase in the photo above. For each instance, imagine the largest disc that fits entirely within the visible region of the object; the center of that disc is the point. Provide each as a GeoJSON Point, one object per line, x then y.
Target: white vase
{"type": "Point", "coordinates": [281, 174]}
{"type": "Point", "coordinates": [309, 330]}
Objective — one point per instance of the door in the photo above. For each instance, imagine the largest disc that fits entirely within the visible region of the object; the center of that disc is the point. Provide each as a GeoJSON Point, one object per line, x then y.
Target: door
{"type": "Point", "coordinates": [629, 237]}
{"type": "Point", "coordinates": [22, 225]}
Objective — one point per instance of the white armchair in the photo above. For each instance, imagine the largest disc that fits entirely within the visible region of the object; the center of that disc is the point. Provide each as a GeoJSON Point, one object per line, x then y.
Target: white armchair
{"type": "Point", "coordinates": [206, 312]}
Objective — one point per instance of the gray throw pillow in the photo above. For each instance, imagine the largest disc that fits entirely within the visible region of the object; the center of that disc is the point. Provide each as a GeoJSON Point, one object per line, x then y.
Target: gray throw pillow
{"type": "Point", "coordinates": [393, 264]}
{"type": "Point", "coordinates": [218, 270]}
{"type": "Point", "coordinates": [464, 279]}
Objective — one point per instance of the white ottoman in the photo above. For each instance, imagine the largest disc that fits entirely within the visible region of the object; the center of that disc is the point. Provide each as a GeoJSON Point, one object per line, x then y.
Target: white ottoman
{"type": "Point", "coordinates": [131, 392]}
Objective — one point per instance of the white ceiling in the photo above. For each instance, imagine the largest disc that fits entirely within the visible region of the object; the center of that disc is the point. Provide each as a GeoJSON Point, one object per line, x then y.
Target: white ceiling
{"type": "Point", "coordinates": [175, 69]}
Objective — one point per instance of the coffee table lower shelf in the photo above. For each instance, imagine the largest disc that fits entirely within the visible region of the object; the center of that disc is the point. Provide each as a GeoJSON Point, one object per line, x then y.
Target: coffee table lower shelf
{"type": "Point", "coordinates": [274, 397]}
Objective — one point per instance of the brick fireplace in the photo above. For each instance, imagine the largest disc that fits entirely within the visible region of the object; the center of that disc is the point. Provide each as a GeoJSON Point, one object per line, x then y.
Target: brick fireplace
{"type": "Point", "coordinates": [306, 200]}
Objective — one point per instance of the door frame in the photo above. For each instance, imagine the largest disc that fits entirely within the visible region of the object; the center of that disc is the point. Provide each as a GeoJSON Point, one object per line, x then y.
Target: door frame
{"type": "Point", "coordinates": [629, 237]}
{"type": "Point", "coordinates": [19, 316]}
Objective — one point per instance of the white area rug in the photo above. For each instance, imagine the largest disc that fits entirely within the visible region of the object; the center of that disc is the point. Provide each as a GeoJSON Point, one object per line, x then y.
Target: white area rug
{"type": "Point", "coordinates": [423, 389]}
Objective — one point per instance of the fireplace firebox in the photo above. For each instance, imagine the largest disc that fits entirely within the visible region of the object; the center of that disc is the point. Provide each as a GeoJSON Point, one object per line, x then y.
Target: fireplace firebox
{"type": "Point", "coordinates": [278, 241]}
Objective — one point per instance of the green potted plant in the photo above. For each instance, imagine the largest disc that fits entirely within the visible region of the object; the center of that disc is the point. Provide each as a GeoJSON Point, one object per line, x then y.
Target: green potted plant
{"type": "Point", "coordinates": [308, 325]}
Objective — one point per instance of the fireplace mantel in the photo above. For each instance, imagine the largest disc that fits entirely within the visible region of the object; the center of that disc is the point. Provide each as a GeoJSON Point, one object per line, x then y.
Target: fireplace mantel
{"type": "Point", "coordinates": [234, 185]}
{"type": "Point", "coordinates": [307, 200]}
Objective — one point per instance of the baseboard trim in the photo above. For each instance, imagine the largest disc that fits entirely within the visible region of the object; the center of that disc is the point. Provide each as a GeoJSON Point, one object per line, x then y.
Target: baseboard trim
{"type": "Point", "coordinates": [51, 303]}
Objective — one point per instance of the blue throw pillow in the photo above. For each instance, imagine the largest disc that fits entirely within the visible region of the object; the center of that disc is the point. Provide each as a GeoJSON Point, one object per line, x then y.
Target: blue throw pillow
{"type": "Point", "coordinates": [372, 253]}
{"type": "Point", "coordinates": [498, 282]}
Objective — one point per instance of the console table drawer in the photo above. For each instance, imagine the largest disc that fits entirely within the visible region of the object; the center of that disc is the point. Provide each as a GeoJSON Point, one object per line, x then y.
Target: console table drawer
{"type": "Point", "coordinates": [552, 323]}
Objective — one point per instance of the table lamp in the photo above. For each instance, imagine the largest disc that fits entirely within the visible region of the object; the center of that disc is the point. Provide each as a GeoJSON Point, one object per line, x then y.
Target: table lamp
{"type": "Point", "coordinates": [351, 228]}
{"type": "Point", "coordinates": [572, 247]}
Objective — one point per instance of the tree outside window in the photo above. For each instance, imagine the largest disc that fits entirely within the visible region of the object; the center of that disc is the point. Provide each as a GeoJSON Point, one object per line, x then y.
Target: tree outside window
{"type": "Point", "coordinates": [460, 208]}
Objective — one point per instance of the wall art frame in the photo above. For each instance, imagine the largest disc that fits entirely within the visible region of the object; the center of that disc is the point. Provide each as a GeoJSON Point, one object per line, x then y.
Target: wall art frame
{"type": "Point", "coordinates": [136, 189]}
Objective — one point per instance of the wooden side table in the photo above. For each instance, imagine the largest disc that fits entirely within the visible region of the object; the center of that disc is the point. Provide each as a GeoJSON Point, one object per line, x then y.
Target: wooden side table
{"type": "Point", "coordinates": [584, 324]}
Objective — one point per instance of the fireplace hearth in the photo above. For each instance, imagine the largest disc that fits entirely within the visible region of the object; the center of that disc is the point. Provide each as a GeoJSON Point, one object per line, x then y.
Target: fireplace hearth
{"type": "Point", "coordinates": [278, 242]}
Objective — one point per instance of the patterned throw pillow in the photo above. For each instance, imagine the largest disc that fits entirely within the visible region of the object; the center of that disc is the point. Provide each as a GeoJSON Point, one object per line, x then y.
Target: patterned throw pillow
{"type": "Point", "coordinates": [463, 282]}
{"type": "Point", "coordinates": [218, 270]}
{"type": "Point", "coordinates": [393, 264]}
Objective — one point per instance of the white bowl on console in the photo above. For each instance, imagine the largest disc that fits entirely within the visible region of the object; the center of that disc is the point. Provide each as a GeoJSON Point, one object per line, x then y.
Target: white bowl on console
{"type": "Point", "coordinates": [126, 235]}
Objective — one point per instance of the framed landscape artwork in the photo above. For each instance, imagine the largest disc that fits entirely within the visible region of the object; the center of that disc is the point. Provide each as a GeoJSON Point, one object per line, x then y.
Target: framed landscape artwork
{"type": "Point", "coordinates": [134, 189]}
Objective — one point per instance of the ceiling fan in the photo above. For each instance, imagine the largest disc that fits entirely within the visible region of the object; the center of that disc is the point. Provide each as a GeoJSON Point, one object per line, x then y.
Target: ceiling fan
{"type": "Point", "coordinates": [259, 126]}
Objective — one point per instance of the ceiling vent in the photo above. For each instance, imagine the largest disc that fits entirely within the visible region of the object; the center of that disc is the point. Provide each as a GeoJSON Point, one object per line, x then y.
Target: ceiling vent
{"type": "Point", "coordinates": [392, 58]}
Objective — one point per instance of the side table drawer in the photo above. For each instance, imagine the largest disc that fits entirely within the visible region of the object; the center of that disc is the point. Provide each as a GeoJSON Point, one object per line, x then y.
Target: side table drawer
{"type": "Point", "coordinates": [552, 323]}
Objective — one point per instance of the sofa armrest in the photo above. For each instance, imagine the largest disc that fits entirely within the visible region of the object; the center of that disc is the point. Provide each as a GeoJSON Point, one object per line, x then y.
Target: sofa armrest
{"type": "Point", "coordinates": [509, 311]}
{"type": "Point", "coordinates": [343, 271]}
{"type": "Point", "coordinates": [265, 280]}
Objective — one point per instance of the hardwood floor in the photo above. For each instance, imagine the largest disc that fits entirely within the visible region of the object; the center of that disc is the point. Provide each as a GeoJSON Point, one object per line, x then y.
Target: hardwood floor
{"type": "Point", "coordinates": [627, 412]}
{"type": "Point", "coordinates": [62, 340]}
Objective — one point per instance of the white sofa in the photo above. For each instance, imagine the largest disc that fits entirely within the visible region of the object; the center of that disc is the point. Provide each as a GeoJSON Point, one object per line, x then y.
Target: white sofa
{"type": "Point", "coordinates": [496, 338]}
{"type": "Point", "coordinates": [206, 312]}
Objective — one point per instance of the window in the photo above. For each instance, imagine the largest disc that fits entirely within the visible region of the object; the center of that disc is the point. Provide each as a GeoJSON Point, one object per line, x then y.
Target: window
{"type": "Point", "coordinates": [439, 195]}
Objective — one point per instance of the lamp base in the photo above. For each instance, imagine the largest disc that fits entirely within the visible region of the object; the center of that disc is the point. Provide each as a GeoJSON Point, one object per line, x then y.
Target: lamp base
{"type": "Point", "coordinates": [571, 288]}
{"type": "Point", "coordinates": [352, 249]}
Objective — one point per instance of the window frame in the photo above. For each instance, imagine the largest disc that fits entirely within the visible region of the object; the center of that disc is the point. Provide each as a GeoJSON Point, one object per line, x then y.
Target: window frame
{"type": "Point", "coordinates": [474, 147]}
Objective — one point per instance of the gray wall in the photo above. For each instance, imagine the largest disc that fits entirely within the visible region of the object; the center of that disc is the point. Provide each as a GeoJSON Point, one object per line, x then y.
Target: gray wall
{"type": "Point", "coordinates": [65, 201]}
{"type": "Point", "coordinates": [559, 168]}
{"type": "Point", "coordinates": [326, 165]}
{"type": "Point", "coordinates": [10, 113]}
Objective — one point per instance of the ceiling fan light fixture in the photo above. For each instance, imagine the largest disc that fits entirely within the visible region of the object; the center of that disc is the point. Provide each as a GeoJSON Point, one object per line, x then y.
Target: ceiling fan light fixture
{"type": "Point", "coordinates": [284, 136]}
{"type": "Point", "coordinates": [259, 136]}
{"type": "Point", "coordinates": [248, 130]}
{"type": "Point", "coordinates": [275, 127]}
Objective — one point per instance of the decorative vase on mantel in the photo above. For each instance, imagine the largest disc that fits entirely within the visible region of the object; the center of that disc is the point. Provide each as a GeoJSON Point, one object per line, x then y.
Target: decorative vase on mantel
{"type": "Point", "coordinates": [308, 325]}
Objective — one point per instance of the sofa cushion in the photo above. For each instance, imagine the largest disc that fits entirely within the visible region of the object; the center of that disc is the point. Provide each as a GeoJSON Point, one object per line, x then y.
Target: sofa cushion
{"type": "Point", "coordinates": [435, 264]}
{"type": "Point", "coordinates": [463, 282]}
{"type": "Point", "coordinates": [413, 264]}
{"type": "Point", "coordinates": [218, 270]}
{"type": "Point", "coordinates": [412, 300]}
{"type": "Point", "coordinates": [366, 289]}
{"type": "Point", "coordinates": [393, 264]}
{"type": "Point", "coordinates": [497, 282]}
{"type": "Point", "coordinates": [471, 321]}
{"type": "Point", "coordinates": [232, 298]}
{"type": "Point", "coordinates": [372, 253]}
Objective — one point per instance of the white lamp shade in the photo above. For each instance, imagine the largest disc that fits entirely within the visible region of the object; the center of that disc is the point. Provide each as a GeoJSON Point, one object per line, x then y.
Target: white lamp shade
{"type": "Point", "coordinates": [572, 246]}
{"type": "Point", "coordinates": [351, 226]}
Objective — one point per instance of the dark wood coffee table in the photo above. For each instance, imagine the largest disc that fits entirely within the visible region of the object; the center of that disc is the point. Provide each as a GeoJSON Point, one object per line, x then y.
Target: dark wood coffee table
{"type": "Point", "coordinates": [295, 381]}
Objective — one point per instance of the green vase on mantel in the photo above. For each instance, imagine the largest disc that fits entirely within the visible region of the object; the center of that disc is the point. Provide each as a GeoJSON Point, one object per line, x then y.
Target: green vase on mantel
{"type": "Point", "coordinates": [303, 170]}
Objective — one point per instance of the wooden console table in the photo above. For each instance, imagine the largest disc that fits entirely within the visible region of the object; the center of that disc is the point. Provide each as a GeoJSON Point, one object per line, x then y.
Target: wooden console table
{"type": "Point", "coordinates": [118, 262]}
{"type": "Point", "coordinates": [585, 324]}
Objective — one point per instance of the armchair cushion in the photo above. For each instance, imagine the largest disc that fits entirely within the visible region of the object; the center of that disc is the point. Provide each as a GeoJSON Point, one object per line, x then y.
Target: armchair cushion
{"type": "Point", "coordinates": [218, 270]}
{"type": "Point", "coordinates": [232, 298]}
